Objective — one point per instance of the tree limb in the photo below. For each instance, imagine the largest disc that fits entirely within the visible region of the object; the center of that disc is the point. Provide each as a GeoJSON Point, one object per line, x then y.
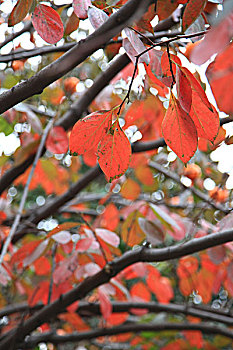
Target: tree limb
{"type": "Point", "coordinates": [53, 338]}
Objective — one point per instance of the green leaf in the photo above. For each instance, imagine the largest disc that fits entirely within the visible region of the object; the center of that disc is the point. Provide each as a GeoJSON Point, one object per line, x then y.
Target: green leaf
{"type": "Point", "coordinates": [5, 127]}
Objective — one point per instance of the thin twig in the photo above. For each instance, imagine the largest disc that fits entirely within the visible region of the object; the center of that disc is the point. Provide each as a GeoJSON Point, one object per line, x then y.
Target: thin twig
{"type": "Point", "coordinates": [54, 250]}
{"type": "Point", "coordinates": [171, 69]}
{"type": "Point", "coordinates": [130, 86]}
{"type": "Point", "coordinates": [25, 192]}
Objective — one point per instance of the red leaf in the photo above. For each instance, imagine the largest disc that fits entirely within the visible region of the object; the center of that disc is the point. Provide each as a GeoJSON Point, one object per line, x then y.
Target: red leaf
{"type": "Point", "coordinates": [47, 23]}
{"type": "Point", "coordinates": [89, 131]}
{"type": "Point", "coordinates": [215, 41]}
{"type": "Point", "coordinates": [105, 304]}
{"type": "Point", "coordinates": [19, 11]}
{"type": "Point", "coordinates": [57, 140]}
{"type": "Point", "coordinates": [80, 8]}
{"type": "Point", "coordinates": [192, 10]}
{"type": "Point", "coordinates": [203, 114]}
{"type": "Point", "coordinates": [141, 291]}
{"type": "Point", "coordinates": [179, 131]}
{"type": "Point", "coordinates": [110, 217]}
{"type": "Point", "coordinates": [117, 318]}
{"type": "Point", "coordinates": [114, 152]}
{"type": "Point", "coordinates": [42, 266]}
{"type": "Point", "coordinates": [220, 76]}
{"type": "Point", "coordinates": [165, 8]}
{"type": "Point", "coordinates": [84, 244]}
{"type": "Point", "coordinates": [184, 91]}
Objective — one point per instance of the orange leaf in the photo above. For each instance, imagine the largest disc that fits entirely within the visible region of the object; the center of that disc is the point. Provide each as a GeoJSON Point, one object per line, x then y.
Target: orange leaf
{"type": "Point", "coordinates": [192, 10]}
{"type": "Point", "coordinates": [47, 23]}
{"type": "Point", "coordinates": [114, 152]}
{"type": "Point", "coordinates": [179, 131]}
{"type": "Point", "coordinates": [141, 291]}
{"type": "Point", "coordinates": [130, 189]}
{"type": "Point", "coordinates": [131, 232]}
{"type": "Point", "coordinates": [19, 11]}
{"type": "Point", "coordinates": [89, 131]}
{"type": "Point", "coordinates": [117, 318]}
{"type": "Point", "coordinates": [110, 217]}
{"type": "Point", "coordinates": [145, 175]}
{"type": "Point", "coordinates": [57, 140]}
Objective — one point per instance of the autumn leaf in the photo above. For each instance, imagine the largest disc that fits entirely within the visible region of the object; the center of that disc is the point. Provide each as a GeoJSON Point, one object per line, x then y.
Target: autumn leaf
{"type": "Point", "coordinates": [130, 189]}
{"type": "Point", "coordinates": [184, 91]}
{"type": "Point", "coordinates": [71, 24]}
{"type": "Point", "coordinates": [131, 232]}
{"type": "Point", "coordinates": [165, 8]}
{"type": "Point", "coordinates": [89, 131]}
{"type": "Point", "coordinates": [19, 11]}
{"type": "Point", "coordinates": [203, 114]}
{"type": "Point", "coordinates": [179, 131]}
{"type": "Point", "coordinates": [114, 152]}
{"type": "Point", "coordinates": [57, 141]}
{"type": "Point", "coordinates": [192, 10]}
{"type": "Point", "coordinates": [47, 23]}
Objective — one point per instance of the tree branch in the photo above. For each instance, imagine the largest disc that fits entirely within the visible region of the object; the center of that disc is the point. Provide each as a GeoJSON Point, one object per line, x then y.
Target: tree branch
{"type": "Point", "coordinates": [135, 328]}
{"type": "Point", "coordinates": [86, 309]}
{"type": "Point", "coordinates": [142, 254]}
